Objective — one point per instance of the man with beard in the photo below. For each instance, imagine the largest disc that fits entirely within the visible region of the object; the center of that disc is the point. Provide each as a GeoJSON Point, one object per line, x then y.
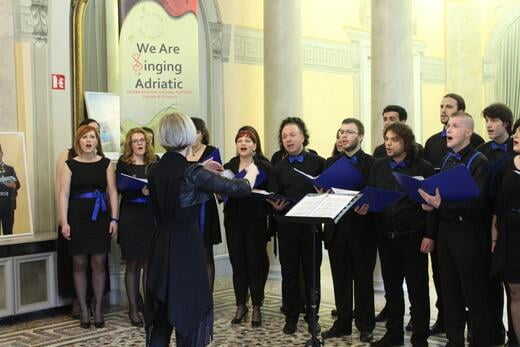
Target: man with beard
{"type": "Point", "coordinates": [352, 247]}
{"type": "Point", "coordinates": [405, 235]}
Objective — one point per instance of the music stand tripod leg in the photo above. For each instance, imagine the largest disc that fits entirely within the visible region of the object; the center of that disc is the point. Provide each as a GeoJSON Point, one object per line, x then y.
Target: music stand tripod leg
{"type": "Point", "coordinates": [314, 341]}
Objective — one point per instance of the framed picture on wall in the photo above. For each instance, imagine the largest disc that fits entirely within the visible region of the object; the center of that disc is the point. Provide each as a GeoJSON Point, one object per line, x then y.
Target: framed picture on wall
{"type": "Point", "coordinates": [104, 108]}
{"type": "Point", "coordinates": [15, 199]}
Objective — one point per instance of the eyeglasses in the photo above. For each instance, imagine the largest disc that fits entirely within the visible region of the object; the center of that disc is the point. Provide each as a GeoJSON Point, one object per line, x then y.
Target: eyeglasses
{"type": "Point", "coordinates": [138, 141]}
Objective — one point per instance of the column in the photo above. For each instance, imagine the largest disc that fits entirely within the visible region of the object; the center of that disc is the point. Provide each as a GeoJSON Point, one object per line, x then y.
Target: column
{"type": "Point", "coordinates": [8, 115]}
{"type": "Point", "coordinates": [282, 66]}
{"type": "Point", "coordinates": [391, 61]}
{"type": "Point", "coordinates": [463, 54]}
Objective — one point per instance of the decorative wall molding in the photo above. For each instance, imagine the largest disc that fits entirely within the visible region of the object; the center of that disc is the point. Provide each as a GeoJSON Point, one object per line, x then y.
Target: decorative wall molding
{"type": "Point", "coordinates": [329, 56]}
{"type": "Point", "coordinates": [31, 20]}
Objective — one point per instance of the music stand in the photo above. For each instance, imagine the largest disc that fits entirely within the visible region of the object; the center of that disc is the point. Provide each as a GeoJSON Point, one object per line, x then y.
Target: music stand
{"type": "Point", "coordinates": [314, 210]}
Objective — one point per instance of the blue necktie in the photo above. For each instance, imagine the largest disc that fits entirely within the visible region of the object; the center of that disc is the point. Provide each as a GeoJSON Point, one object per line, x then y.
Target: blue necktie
{"type": "Point", "coordinates": [455, 156]}
{"type": "Point", "coordinates": [395, 165]}
{"type": "Point", "coordinates": [495, 146]}
{"type": "Point", "coordinates": [444, 133]}
{"type": "Point", "coordinates": [353, 160]}
{"type": "Point", "coordinates": [298, 158]}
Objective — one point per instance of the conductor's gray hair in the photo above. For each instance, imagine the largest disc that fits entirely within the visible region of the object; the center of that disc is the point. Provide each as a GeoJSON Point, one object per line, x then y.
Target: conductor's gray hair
{"type": "Point", "coordinates": [176, 132]}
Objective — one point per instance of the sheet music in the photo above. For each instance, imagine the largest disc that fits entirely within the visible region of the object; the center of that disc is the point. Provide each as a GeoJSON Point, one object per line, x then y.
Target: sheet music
{"type": "Point", "coordinates": [321, 205]}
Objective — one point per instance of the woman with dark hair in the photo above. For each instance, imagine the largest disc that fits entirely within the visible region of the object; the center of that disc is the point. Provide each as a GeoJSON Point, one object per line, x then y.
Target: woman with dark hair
{"type": "Point", "coordinates": [505, 231]}
{"type": "Point", "coordinates": [178, 292]}
{"type": "Point", "coordinates": [65, 283]}
{"type": "Point", "coordinates": [201, 150]}
{"type": "Point", "coordinates": [85, 218]}
{"type": "Point", "coordinates": [245, 220]}
{"type": "Point", "coordinates": [136, 219]}
{"type": "Point", "coordinates": [338, 147]}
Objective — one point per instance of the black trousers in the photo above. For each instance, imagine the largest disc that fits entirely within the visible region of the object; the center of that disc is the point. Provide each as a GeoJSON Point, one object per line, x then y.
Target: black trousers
{"type": "Point", "coordinates": [6, 215]}
{"type": "Point", "coordinates": [437, 283]}
{"type": "Point", "coordinates": [247, 252]}
{"type": "Point", "coordinates": [352, 256]}
{"type": "Point", "coordinates": [159, 334]}
{"type": "Point", "coordinates": [464, 269]}
{"type": "Point", "coordinates": [497, 330]}
{"type": "Point", "coordinates": [296, 247]}
{"type": "Point", "coordinates": [402, 259]}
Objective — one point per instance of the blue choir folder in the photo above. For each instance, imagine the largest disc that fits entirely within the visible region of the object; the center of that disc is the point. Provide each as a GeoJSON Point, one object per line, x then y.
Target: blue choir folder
{"type": "Point", "coordinates": [342, 174]}
{"type": "Point", "coordinates": [454, 184]}
{"type": "Point", "coordinates": [130, 183]}
{"type": "Point", "coordinates": [378, 199]}
{"type": "Point", "coordinates": [215, 156]}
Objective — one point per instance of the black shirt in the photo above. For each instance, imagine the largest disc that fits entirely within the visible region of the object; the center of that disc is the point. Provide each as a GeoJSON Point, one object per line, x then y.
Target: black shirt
{"type": "Point", "coordinates": [380, 151]}
{"type": "Point", "coordinates": [436, 147]}
{"type": "Point", "coordinates": [249, 209]}
{"type": "Point", "coordinates": [471, 209]}
{"type": "Point", "coordinates": [404, 214]}
{"type": "Point", "coordinates": [351, 222]}
{"type": "Point", "coordinates": [287, 182]}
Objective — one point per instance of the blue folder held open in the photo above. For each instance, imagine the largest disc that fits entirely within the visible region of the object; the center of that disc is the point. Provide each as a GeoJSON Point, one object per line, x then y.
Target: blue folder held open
{"type": "Point", "coordinates": [215, 156]}
{"type": "Point", "coordinates": [130, 183]}
{"type": "Point", "coordinates": [342, 174]}
{"type": "Point", "coordinates": [378, 199]}
{"type": "Point", "coordinates": [454, 184]}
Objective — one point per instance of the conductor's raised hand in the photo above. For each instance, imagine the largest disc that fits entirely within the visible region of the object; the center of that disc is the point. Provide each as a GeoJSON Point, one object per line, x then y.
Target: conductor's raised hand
{"type": "Point", "coordinates": [279, 204]}
{"type": "Point", "coordinates": [213, 166]}
{"type": "Point", "coordinates": [362, 209]}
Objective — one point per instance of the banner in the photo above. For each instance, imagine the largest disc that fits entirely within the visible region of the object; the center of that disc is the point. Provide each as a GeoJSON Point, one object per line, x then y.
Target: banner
{"type": "Point", "coordinates": [159, 61]}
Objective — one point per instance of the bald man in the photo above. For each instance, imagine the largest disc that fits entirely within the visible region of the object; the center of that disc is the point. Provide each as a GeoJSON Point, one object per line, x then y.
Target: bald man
{"type": "Point", "coordinates": [462, 241]}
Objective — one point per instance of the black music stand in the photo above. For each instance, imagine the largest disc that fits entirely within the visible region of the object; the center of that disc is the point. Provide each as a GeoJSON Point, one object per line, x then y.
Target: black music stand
{"type": "Point", "coordinates": [314, 220]}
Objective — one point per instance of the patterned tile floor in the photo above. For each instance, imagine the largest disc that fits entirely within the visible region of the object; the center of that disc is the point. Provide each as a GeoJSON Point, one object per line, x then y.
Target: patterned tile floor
{"type": "Point", "coordinates": [56, 328]}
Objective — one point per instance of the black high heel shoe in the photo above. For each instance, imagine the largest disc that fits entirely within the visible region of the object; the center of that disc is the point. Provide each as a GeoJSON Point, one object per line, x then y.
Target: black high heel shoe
{"type": "Point", "coordinates": [255, 323]}
{"type": "Point", "coordinates": [84, 324]}
{"type": "Point", "coordinates": [241, 318]}
{"type": "Point", "coordinates": [134, 323]}
{"type": "Point", "coordinates": [99, 324]}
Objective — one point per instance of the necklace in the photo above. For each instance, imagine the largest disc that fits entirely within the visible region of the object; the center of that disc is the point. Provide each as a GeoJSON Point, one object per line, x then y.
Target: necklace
{"type": "Point", "coordinates": [194, 152]}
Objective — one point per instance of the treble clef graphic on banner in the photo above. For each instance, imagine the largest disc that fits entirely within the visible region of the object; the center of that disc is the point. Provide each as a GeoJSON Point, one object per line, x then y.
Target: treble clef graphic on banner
{"type": "Point", "coordinates": [137, 66]}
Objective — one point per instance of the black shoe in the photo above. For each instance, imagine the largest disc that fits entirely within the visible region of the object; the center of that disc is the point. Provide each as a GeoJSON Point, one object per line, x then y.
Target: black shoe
{"type": "Point", "coordinates": [136, 323]}
{"type": "Point", "coordinates": [309, 327]}
{"type": "Point", "coordinates": [366, 336]}
{"type": "Point", "coordinates": [99, 325]}
{"type": "Point", "coordinates": [334, 313]}
{"type": "Point", "coordinates": [409, 327]}
{"type": "Point", "coordinates": [256, 320]}
{"type": "Point", "coordinates": [423, 343]}
{"type": "Point", "coordinates": [238, 320]}
{"type": "Point", "coordinates": [336, 331]}
{"type": "Point", "coordinates": [289, 328]}
{"type": "Point", "coordinates": [437, 328]}
{"type": "Point", "coordinates": [389, 341]}
{"type": "Point", "coordinates": [382, 316]}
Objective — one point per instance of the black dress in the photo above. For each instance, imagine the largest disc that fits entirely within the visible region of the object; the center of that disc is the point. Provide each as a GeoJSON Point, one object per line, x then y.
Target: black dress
{"type": "Point", "coordinates": [506, 257]}
{"type": "Point", "coordinates": [89, 231]}
{"type": "Point", "coordinates": [135, 216]}
{"type": "Point", "coordinates": [177, 283]}
{"type": "Point", "coordinates": [209, 211]}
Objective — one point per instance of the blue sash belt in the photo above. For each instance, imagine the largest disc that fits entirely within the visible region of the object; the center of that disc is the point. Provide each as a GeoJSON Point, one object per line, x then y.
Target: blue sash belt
{"type": "Point", "coordinates": [141, 200]}
{"type": "Point", "coordinates": [100, 201]}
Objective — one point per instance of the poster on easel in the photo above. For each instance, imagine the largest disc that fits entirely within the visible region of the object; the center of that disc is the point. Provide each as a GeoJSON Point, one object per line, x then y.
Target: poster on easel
{"type": "Point", "coordinates": [159, 61]}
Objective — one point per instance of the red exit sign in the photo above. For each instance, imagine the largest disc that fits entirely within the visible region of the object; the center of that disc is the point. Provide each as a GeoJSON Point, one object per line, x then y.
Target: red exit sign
{"type": "Point", "coordinates": [58, 81]}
